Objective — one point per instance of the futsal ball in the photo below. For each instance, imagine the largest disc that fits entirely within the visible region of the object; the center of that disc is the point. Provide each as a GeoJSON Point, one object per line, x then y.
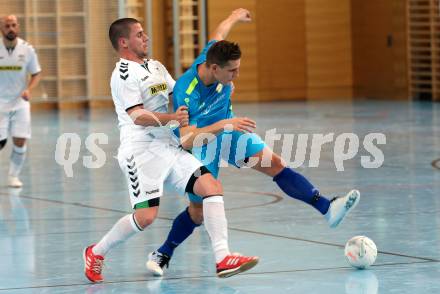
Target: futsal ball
{"type": "Point", "coordinates": [361, 252]}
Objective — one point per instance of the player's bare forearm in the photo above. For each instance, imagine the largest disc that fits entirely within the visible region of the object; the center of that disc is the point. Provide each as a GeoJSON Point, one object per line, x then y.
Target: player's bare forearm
{"type": "Point", "coordinates": [143, 117]}
{"type": "Point", "coordinates": [190, 136]}
{"type": "Point", "coordinates": [222, 30]}
{"type": "Point", "coordinates": [34, 80]}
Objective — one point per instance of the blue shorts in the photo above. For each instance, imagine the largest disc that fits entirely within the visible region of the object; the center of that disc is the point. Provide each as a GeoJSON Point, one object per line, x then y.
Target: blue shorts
{"type": "Point", "coordinates": [234, 147]}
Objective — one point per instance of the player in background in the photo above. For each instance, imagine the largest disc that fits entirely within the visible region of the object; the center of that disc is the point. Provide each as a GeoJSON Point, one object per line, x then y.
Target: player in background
{"type": "Point", "coordinates": [150, 155]}
{"type": "Point", "coordinates": [205, 89]}
{"type": "Point", "coordinates": [18, 60]}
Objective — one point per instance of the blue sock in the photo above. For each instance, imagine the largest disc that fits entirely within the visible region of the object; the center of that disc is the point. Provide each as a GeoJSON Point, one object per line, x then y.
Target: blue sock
{"type": "Point", "coordinates": [298, 187]}
{"type": "Point", "coordinates": [183, 226]}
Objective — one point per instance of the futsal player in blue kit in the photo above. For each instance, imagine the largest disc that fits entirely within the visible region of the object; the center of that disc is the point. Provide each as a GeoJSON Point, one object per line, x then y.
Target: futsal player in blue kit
{"type": "Point", "coordinates": [205, 89]}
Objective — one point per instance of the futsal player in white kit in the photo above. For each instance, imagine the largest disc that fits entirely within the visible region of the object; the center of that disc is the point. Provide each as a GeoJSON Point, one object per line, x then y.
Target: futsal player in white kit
{"type": "Point", "coordinates": [150, 155]}
{"type": "Point", "coordinates": [18, 60]}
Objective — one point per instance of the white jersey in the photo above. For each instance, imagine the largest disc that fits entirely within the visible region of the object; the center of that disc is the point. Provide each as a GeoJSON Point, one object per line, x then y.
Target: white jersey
{"type": "Point", "coordinates": [15, 66]}
{"type": "Point", "coordinates": [147, 84]}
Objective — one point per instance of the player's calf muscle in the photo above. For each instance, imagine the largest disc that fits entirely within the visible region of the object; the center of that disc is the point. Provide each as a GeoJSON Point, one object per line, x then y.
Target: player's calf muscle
{"type": "Point", "coordinates": [195, 211]}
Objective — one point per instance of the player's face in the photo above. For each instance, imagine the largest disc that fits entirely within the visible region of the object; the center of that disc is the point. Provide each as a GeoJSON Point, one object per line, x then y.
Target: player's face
{"type": "Point", "coordinates": [10, 28]}
{"type": "Point", "coordinates": [138, 41]}
{"type": "Point", "coordinates": [228, 73]}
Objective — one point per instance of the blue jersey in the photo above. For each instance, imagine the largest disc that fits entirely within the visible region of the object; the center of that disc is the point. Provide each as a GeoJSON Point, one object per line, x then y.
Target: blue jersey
{"type": "Point", "coordinates": [206, 104]}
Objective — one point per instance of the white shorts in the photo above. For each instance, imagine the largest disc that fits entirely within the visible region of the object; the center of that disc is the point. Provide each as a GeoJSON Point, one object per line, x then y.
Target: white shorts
{"type": "Point", "coordinates": [16, 122]}
{"type": "Point", "coordinates": [148, 166]}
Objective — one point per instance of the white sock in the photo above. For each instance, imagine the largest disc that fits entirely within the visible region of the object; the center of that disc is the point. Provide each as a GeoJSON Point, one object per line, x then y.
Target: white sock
{"type": "Point", "coordinates": [216, 225]}
{"type": "Point", "coordinates": [121, 231]}
{"type": "Point", "coordinates": [18, 156]}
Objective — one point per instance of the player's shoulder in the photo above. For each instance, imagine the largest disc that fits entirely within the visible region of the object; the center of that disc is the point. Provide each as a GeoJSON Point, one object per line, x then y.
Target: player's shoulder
{"type": "Point", "coordinates": [187, 79]}
{"type": "Point", "coordinates": [154, 62]}
{"type": "Point", "coordinates": [186, 89]}
{"type": "Point", "coordinates": [125, 70]}
{"type": "Point", "coordinates": [25, 44]}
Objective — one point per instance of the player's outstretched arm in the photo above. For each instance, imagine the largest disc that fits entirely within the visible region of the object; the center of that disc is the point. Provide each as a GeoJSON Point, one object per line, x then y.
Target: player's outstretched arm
{"type": "Point", "coordinates": [191, 136]}
{"type": "Point", "coordinates": [222, 30]}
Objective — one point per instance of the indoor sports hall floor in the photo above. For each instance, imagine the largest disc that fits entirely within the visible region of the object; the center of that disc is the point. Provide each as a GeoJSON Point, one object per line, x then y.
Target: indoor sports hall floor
{"type": "Point", "coordinates": [45, 226]}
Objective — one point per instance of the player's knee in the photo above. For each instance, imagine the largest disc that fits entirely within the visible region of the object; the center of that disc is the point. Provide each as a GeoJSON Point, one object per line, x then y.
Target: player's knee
{"type": "Point", "coordinates": [278, 162]}
{"type": "Point", "coordinates": [216, 187]}
{"type": "Point", "coordinates": [143, 221]}
{"type": "Point", "coordinates": [144, 217]}
{"type": "Point", "coordinates": [209, 186]}
{"type": "Point", "coordinates": [196, 213]}
{"type": "Point", "coordinates": [3, 143]}
{"type": "Point", "coordinates": [202, 183]}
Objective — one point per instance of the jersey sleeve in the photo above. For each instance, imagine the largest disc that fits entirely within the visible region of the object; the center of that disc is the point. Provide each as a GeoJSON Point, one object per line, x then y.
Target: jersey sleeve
{"type": "Point", "coordinates": [202, 57]}
{"type": "Point", "coordinates": [33, 66]}
{"type": "Point", "coordinates": [129, 92]}
{"type": "Point", "coordinates": [209, 45]}
{"type": "Point", "coordinates": [181, 98]}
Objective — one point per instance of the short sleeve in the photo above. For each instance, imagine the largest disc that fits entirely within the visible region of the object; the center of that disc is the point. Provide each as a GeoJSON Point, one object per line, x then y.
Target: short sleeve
{"type": "Point", "coordinates": [202, 57]}
{"type": "Point", "coordinates": [181, 98]}
{"type": "Point", "coordinates": [209, 45]}
{"type": "Point", "coordinates": [33, 66]}
{"type": "Point", "coordinates": [129, 92]}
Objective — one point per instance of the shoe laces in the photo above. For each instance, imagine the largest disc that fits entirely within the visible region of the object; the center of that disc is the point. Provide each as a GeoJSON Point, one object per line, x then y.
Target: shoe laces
{"type": "Point", "coordinates": [161, 259]}
{"type": "Point", "coordinates": [350, 202]}
{"type": "Point", "coordinates": [97, 265]}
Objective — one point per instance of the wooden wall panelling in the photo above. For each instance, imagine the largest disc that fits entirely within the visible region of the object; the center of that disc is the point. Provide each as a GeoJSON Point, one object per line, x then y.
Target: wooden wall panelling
{"type": "Point", "coordinates": [281, 52]}
{"type": "Point", "coordinates": [424, 49]}
{"type": "Point", "coordinates": [101, 55]}
{"type": "Point", "coordinates": [379, 49]}
{"type": "Point", "coordinates": [328, 47]}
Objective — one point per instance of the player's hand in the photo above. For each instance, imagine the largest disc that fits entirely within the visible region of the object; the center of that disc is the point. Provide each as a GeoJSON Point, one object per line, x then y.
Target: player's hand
{"type": "Point", "coordinates": [26, 95]}
{"type": "Point", "coordinates": [241, 15]}
{"type": "Point", "coordinates": [181, 115]}
{"type": "Point", "coordinates": [241, 124]}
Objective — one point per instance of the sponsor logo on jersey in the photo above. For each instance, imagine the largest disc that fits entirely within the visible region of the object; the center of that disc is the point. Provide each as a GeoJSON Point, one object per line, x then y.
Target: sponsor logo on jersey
{"type": "Point", "coordinates": [11, 68]}
{"type": "Point", "coordinates": [211, 106]}
{"type": "Point", "coordinates": [152, 191]}
{"type": "Point", "coordinates": [155, 89]}
{"type": "Point", "coordinates": [21, 57]}
{"type": "Point", "coordinates": [144, 78]}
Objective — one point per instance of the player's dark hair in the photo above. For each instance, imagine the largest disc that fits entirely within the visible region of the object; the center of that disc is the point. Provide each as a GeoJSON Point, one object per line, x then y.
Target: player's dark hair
{"type": "Point", "coordinates": [222, 52]}
{"type": "Point", "coordinates": [120, 29]}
